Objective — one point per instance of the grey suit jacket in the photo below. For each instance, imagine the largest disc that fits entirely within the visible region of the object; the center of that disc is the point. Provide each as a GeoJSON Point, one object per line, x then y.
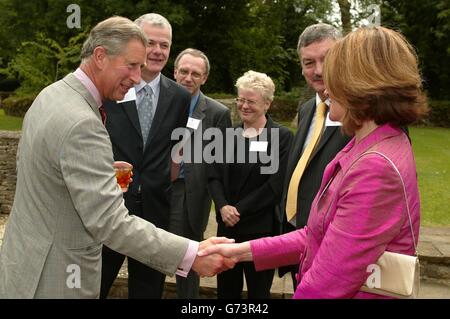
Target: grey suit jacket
{"type": "Point", "coordinates": [198, 201]}
{"type": "Point", "coordinates": [68, 204]}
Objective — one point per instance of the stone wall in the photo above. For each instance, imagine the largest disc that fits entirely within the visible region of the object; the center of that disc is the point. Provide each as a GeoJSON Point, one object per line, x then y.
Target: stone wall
{"type": "Point", "coordinates": [8, 150]}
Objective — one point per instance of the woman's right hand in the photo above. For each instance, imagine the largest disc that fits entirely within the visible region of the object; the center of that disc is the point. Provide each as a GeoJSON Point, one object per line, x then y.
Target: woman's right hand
{"type": "Point", "coordinates": [230, 215]}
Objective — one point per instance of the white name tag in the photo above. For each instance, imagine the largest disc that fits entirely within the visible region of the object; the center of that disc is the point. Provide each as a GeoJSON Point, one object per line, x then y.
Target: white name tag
{"type": "Point", "coordinates": [329, 122]}
{"type": "Point", "coordinates": [130, 96]}
{"type": "Point", "coordinates": [258, 146]}
{"type": "Point", "coordinates": [193, 123]}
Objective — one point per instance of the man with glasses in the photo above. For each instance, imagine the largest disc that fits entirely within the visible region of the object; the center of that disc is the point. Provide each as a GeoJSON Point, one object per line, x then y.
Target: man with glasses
{"type": "Point", "coordinates": [191, 203]}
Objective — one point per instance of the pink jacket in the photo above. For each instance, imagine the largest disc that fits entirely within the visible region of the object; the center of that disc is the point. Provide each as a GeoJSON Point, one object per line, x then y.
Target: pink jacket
{"type": "Point", "coordinates": [360, 215]}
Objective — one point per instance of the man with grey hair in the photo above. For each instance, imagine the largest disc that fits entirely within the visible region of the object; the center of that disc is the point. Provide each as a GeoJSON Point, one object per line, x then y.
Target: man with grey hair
{"type": "Point", "coordinates": [140, 129]}
{"type": "Point", "coordinates": [317, 140]}
{"type": "Point", "coordinates": [191, 202]}
{"type": "Point", "coordinates": [68, 203]}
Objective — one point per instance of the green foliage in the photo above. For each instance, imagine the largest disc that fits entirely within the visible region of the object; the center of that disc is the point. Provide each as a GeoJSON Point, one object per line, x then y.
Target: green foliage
{"type": "Point", "coordinates": [440, 113]}
{"type": "Point", "coordinates": [426, 25]}
{"type": "Point", "coordinates": [283, 109]}
{"type": "Point", "coordinates": [236, 35]}
{"type": "Point", "coordinates": [17, 105]}
{"type": "Point", "coordinates": [42, 62]}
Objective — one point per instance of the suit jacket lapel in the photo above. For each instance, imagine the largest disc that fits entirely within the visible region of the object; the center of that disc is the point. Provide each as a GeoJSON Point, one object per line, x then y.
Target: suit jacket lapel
{"type": "Point", "coordinates": [199, 114]}
{"type": "Point", "coordinates": [329, 131]}
{"type": "Point", "coordinates": [130, 108]}
{"type": "Point", "coordinates": [164, 101]}
{"type": "Point", "coordinates": [300, 137]}
{"type": "Point", "coordinates": [200, 109]}
{"type": "Point", "coordinates": [72, 81]}
{"type": "Point", "coordinates": [249, 167]}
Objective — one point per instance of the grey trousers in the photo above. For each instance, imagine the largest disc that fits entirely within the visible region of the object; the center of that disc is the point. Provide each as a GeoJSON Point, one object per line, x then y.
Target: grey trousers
{"type": "Point", "coordinates": [189, 287]}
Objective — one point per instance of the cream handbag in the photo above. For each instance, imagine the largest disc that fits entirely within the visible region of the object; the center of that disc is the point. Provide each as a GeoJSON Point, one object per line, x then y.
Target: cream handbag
{"type": "Point", "coordinates": [395, 275]}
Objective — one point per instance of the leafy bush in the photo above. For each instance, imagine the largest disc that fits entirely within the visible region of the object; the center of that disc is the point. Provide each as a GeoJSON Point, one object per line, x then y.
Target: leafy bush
{"type": "Point", "coordinates": [283, 109]}
{"type": "Point", "coordinates": [17, 105]}
{"type": "Point", "coordinates": [43, 61]}
{"type": "Point", "coordinates": [440, 113]}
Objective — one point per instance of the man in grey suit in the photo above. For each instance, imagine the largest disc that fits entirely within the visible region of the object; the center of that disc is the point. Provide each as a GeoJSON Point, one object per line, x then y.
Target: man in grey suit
{"type": "Point", "coordinates": [67, 202]}
{"type": "Point", "coordinates": [313, 44]}
{"type": "Point", "coordinates": [191, 203]}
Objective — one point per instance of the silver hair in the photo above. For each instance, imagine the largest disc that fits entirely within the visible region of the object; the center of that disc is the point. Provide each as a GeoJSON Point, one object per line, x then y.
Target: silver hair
{"type": "Point", "coordinates": [196, 53]}
{"type": "Point", "coordinates": [317, 33]}
{"type": "Point", "coordinates": [154, 19]}
{"type": "Point", "coordinates": [113, 34]}
{"type": "Point", "coordinates": [257, 81]}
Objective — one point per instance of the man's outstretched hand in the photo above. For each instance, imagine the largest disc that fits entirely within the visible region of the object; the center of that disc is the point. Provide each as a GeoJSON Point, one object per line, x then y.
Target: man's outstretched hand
{"type": "Point", "coordinates": [210, 265]}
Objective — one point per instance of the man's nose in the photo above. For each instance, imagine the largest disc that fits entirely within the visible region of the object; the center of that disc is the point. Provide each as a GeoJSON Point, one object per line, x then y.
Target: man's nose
{"type": "Point", "coordinates": [319, 68]}
{"type": "Point", "coordinates": [136, 75]}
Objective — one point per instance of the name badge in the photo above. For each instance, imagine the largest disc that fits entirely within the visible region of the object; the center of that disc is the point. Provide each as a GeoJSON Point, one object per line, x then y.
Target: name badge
{"type": "Point", "coordinates": [193, 123]}
{"type": "Point", "coordinates": [130, 96]}
{"type": "Point", "coordinates": [258, 146]}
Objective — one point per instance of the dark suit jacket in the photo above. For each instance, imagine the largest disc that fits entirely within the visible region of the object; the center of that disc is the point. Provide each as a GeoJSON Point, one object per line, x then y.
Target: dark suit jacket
{"type": "Point", "coordinates": [198, 201]}
{"type": "Point", "coordinates": [254, 195]}
{"type": "Point", "coordinates": [151, 167]}
{"type": "Point", "coordinates": [331, 142]}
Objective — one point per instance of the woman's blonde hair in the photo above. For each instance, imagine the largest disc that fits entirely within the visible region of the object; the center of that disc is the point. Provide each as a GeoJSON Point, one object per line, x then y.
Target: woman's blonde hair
{"type": "Point", "coordinates": [373, 74]}
{"type": "Point", "coordinates": [257, 81]}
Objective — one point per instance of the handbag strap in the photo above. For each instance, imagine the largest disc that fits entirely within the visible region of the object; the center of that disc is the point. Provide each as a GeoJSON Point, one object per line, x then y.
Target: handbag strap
{"type": "Point", "coordinates": [404, 192]}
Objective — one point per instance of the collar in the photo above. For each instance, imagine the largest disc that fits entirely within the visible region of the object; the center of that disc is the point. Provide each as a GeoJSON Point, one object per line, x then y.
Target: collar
{"type": "Point", "coordinates": [352, 150]}
{"type": "Point", "coordinates": [89, 85]}
{"type": "Point", "coordinates": [154, 84]}
{"type": "Point", "coordinates": [319, 100]}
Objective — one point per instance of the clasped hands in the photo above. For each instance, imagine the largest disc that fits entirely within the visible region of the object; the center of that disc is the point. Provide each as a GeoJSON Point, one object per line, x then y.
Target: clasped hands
{"type": "Point", "coordinates": [217, 254]}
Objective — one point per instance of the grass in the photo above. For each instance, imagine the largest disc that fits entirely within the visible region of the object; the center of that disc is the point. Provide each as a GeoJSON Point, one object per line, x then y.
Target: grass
{"type": "Point", "coordinates": [431, 147]}
{"type": "Point", "coordinates": [10, 123]}
{"type": "Point", "coordinates": [432, 152]}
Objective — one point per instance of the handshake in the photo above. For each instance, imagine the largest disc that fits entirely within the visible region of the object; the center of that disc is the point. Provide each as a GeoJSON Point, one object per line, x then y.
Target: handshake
{"type": "Point", "coordinates": [217, 254]}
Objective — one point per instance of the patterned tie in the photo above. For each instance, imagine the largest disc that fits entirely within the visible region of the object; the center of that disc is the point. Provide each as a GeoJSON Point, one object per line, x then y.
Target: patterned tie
{"type": "Point", "coordinates": [291, 202]}
{"type": "Point", "coordinates": [102, 113]}
{"type": "Point", "coordinates": [145, 111]}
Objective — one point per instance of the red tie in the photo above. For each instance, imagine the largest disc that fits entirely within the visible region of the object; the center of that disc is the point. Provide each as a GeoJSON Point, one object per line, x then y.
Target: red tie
{"type": "Point", "coordinates": [175, 167]}
{"type": "Point", "coordinates": [102, 113]}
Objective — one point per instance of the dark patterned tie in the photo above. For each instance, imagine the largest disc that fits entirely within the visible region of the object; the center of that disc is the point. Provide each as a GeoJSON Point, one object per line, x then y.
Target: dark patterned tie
{"type": "Point", "coordinates": [102, 113]}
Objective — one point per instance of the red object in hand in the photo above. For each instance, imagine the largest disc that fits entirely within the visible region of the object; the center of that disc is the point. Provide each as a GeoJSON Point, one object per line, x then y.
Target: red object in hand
{"type": "Point", "coordinates": [123, 174]}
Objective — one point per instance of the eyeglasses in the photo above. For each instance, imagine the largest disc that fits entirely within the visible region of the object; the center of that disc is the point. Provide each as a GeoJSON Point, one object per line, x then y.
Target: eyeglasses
{"type": "Point", "coordinates": [241, 101]}
{"type": "Point", "coordinates": [194, 75]}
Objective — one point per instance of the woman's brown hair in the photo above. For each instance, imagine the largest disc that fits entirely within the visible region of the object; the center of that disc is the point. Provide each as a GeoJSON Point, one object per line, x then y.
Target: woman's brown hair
{"type": "Point", "coordinates": [373, 73]}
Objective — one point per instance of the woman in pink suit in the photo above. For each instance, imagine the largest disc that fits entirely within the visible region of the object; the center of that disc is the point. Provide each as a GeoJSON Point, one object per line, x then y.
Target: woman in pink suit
{"type": "Point", "coordinates": [360, 211]}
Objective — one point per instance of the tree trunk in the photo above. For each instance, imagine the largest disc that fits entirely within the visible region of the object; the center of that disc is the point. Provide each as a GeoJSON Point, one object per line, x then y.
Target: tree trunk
{"type": "Point", "coordinates": [344, 6]}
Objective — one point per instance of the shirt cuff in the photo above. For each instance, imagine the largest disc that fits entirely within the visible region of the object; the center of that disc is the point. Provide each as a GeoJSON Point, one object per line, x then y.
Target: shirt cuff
{"type": "Point", "coordinates": [188, 260]}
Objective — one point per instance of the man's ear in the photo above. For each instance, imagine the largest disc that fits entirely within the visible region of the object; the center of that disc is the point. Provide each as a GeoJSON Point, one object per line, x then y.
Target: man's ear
{"type": "Point", "coordinates": [205, 79]}
{"type": "Point", "coordinates": [99, 57]}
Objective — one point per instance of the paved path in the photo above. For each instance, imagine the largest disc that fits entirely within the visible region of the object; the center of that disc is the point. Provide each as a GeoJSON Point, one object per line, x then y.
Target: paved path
{"type": "Point", "coordinates": [434, 245]}
{"type": "Point", "coordinates": [434, 251]}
